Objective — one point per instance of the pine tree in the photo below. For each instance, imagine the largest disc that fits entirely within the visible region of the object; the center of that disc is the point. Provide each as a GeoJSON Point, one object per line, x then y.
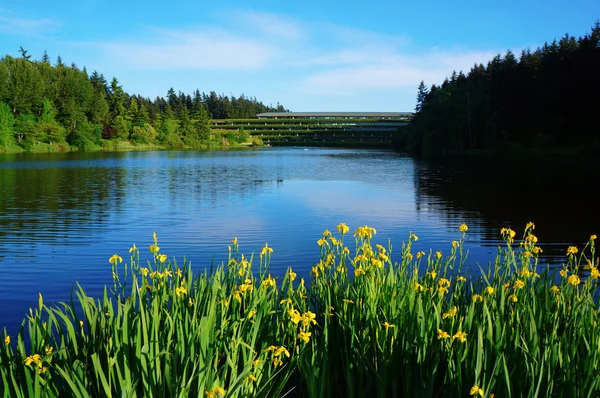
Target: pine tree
{"type": "Point", "coordinates": [422, 93]}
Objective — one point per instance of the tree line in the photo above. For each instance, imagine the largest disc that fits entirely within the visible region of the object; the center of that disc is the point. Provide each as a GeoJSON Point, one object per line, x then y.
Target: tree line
{"type": "Point", "coordinates": [547, 98]}
{"type": "Point", "coordinates": [59, 104]}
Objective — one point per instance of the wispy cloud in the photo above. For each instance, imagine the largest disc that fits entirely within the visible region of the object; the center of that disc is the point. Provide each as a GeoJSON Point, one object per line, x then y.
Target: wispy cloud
{"type": "Point", "coordinates": [202, 48]}
{"type": "Point", "coordinates": [12, 25]}
{"type": "Point", "coordinates": [273, 25]}
{"type": "Point", "coordinates": [319, 59]}
{"type": "Point", "coordinates": [390, 71]}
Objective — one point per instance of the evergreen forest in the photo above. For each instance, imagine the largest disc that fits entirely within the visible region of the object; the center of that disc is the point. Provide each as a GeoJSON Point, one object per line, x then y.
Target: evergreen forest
{"type": "Point", "coordinates": [545, 99]}
{"type": "Point", "coordinates": [54, 106]}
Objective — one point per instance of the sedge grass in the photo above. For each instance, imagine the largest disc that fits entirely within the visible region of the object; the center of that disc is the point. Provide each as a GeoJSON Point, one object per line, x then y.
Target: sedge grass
{"type": "Point", "coordinates": [363, 327]}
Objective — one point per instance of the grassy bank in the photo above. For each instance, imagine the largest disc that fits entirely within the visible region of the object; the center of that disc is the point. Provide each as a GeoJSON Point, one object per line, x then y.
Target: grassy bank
{"type": "Point", "coordinates": [363, 327]}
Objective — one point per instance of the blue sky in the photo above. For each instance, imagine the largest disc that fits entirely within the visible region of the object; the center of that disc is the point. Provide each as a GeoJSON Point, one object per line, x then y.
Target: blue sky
{"type": "Point", "coordinates": [307, 55]}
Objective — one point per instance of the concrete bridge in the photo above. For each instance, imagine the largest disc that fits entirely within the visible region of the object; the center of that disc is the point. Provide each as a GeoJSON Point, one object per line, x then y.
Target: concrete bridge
{"type": "Point", "coordinates": [322, 128]}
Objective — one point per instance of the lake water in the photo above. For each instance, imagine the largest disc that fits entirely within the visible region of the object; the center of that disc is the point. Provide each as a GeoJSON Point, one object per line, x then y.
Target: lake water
{"type": "Point", "coordinates": [63, 215]}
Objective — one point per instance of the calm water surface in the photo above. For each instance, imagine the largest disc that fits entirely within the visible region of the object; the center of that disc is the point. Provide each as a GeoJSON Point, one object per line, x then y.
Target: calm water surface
{"type": "Point", "coordinates": [63, 215]}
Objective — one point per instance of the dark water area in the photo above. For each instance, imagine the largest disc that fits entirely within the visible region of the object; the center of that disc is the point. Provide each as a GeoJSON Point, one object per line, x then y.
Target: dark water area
{"type": "Point", "coordinates": [63, 215]}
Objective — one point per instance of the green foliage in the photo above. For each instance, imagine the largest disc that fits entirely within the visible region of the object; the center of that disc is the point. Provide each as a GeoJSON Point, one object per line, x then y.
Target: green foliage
{"type": "Point", "coordinates": [25, 128]}
{"type": "Point", "coordinates": [69, 104]}
{"type": "Point", "coordinates": [51, 131]}
{"type": "Point", "coordinates": [120, 128]}
{"type": "Point", "coordinates": [7, 122]}
{"type": "Point", "coordinates": [144, 134]}
{"type": "Point", "coordinates": [366, 326]}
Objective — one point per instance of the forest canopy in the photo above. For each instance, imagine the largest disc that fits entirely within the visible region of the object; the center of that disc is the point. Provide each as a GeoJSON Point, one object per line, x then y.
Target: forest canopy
{"type": "Point", "coordinates": [59, 104]}
{"type": "Point", "coordinates": [547, 98]}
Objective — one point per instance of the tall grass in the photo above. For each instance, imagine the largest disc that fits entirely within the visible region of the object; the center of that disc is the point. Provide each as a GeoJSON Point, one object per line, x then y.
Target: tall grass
{"type": "Point", "coordinates": [364, 327]}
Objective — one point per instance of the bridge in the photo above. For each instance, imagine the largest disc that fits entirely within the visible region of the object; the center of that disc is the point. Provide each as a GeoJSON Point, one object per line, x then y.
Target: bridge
{"type": "Point", "coordinates": [322, 128]}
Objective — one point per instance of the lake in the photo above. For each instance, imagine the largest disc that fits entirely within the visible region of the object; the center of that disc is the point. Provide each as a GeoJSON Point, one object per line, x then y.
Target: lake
{"type": "Point", "coordinates": [63, 215]}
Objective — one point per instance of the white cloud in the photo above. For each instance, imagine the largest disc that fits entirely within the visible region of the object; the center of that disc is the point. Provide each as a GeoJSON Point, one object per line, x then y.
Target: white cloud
{"type": "Point", "coordinates": [27, 26]}
{"type": "Point", "coordinates": [390, 71]}
{"type": "Point", "coordinates": [275, 26]}
{"type": "Point", "coordinates": [211, 49]}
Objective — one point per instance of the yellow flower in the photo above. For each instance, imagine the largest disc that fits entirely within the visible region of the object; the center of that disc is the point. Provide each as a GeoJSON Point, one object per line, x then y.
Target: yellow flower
{"type": "Point", "coordinates": [461, 279]}
{"type": "Point", "coordinates": [594, 274]}
{"type": "Point", "coordinates": [537, 250]}
{"type": "Point", "coordinates": [418, 287]}
{"type": "Point", "coordinates": [519, 284]}
{"type": "Point", "coordinates": [365, 232]}
{"type": "Point", "coordinates": [477, 297]}
{"type": "Point", "coordinates": [572, 250]}
{"type": "Point", "coordinates": [269, 282]}
{"type": "Point", "coordinates": [413, 237]}
{"type": "Point", "coordinates": [359, 271]}
{"type": "Point", "coordinates": [438, 255]}
{"type": "Point", "coordinates": [144, 271]}
{"type": "Point", "coordinates": [342, 228]}
{"type": "Point", "coordinates": [42, 370]}
{"type": "Point", "coordinates": [529, 225]}
{"type": "Point", "coordinates": [35, 359]}
{"type": "Point", "coordinates": [513, 298]}
{"type": "Point", "coordinates": [442, 290]}
{"type": "Point", "coordinates": [489, 290]}
{"type": "Point", "coordinates": [555, 289]}
{"type": "Point", "coordinates": [179, 273]}
{"type": "Point", "coordinates": [574, 280]}
{"type": "Point", "coordinates": [387, 326]}
{"type": "Point", "coordinates": [454, 244]}
{"type": "Point", "coordinates": [154, 249]}
{"type": "Point", "coordinates": [348, 301]}
{"type": "Point", "coordinates": [379, 264]}
{"type": "Point", "coordinates": [190, 302]}
{"type": "Point", "coordinates": [463, 227]}
{"type": "Point", "coordinates": [322, 242]}
{"type": "Point", "coordinates": [7, 340]}
{"type": "Point", "coordinates": [234, 241]}
{"type": "Point", "coordinates": [133, 248]}
{"type": "Point", "coordinates": [292, 275]}
{"type": "Point", "coordinates": [476, 390]}
{"type": "Point", "coordinates": [531, 238]}
{"type": "Point", "coordinates": [461, 336]}
{"type": "Point", "coordinates": [286, 301]}
{"type": "Point", "coordinates": [215, 392]}
{"type": "Point", "coordinates": [442, 334]}
{"type": "Point", "coordinates": [450, 314]}
{"type": "Point", "coordinates": [444, 282]}
{"type": "Point", "coordinates": [80, 323]}
{"type": "Point", "coordinates": [508, 234]}
{"type": "Point", "coordinates": [49, 350]}
{"type": "Point", "coordinates": [162, 258]}
{"type": "Point", "coordinates": [304, 336]}
{"type": "Point", "coordinates": [266, 250]}
{"type": "Point", "coordinates": [420, 254]}
{"type": "Point", "coordinates": [114, 259]}
{"type": "Point", "coordinates": [294, 315]}
{"type": "Point", "coordinates": [180, 290]}
{"type": "Point", "coordinates": [251, 314]}
{"type": "Point", "coordinates": [308, 317]}
{"type": "Point", "coordinates": [251, 377]}
{"type": "Point", "coordinates": [433, 274]}
{"type": "Point", "coordinates": [593, 237]}
{"type": "Point", "coordinates": [564, 272]}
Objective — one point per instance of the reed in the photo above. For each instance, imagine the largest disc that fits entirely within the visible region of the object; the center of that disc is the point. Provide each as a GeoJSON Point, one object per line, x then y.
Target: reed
{"type": "Point", "coordinates": [363, 326]}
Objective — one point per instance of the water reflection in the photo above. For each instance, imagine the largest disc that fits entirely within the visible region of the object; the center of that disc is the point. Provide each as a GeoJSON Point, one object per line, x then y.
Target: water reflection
{"type": "Point", "coordinates": [495, 194]}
